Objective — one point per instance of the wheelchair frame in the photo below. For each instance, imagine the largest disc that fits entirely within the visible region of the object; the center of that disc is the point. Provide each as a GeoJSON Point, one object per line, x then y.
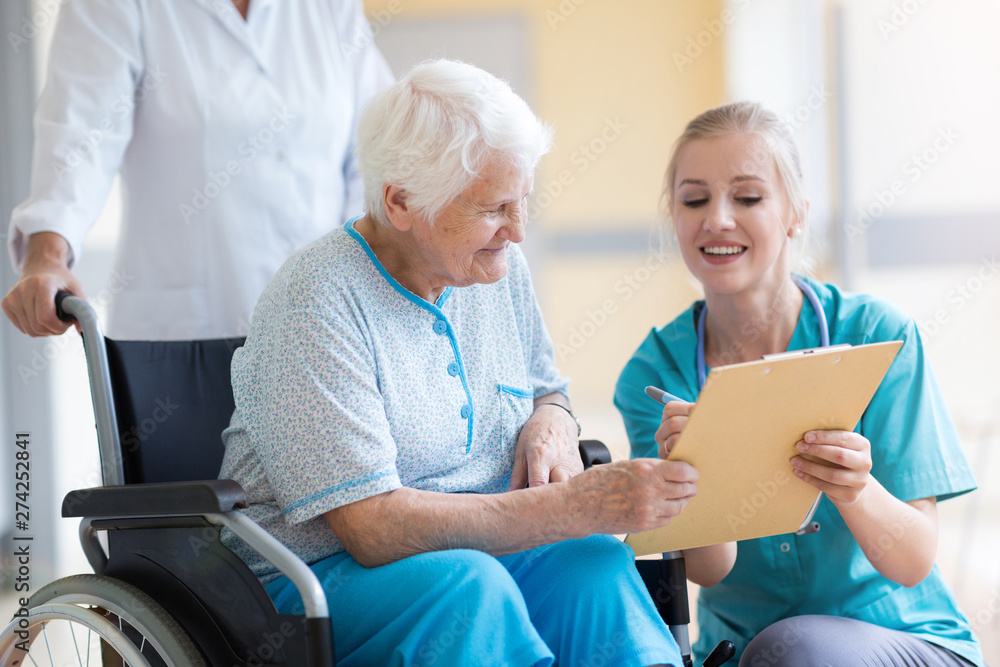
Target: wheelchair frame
{"type": "Point", "coordinates": [144, 521]}
{"type": "Point", "coordinates": [133, 515]}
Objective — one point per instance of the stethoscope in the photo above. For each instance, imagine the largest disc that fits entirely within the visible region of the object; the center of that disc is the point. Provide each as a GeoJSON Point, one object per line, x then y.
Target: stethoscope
{"type": "Point", "coordinates": [824, 337]}
{"type": "Point", "coordinates": [807, 290]}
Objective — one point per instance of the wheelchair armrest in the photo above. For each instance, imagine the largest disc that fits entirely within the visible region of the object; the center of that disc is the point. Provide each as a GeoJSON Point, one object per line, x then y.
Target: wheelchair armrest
{"type": "Point", "coordinates": [162, 498]}
{"type": "Point", "coordinates": [594, 452]}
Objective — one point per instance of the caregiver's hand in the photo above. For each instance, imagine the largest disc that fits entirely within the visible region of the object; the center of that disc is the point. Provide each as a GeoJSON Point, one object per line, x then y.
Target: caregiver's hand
{"type": "Point", "coordinates": [30, 304]}
{"type": "Point", "coordinates": [840, 467]}
{"type": "Point", "coordinates": [675, 418]}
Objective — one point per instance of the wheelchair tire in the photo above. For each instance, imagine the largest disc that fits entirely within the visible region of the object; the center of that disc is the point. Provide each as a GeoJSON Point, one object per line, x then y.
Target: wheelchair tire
{"type": "Point", "coordinates": [109, 609]}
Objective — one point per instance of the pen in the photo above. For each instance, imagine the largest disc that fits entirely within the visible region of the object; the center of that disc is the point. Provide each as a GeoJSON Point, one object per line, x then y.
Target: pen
{"type": "Point", "coordinates": [661, 396]}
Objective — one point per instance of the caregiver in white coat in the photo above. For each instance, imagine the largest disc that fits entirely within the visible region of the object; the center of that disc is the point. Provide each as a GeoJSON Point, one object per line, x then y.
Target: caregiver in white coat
{"type": "Point", "coordinates": [232, 125]}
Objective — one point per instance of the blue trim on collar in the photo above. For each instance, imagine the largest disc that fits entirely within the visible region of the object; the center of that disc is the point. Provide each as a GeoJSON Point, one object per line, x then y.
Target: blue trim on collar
{"type": "Point", "coordinates": [434, 309]}
{"type": "Point", "coordinates": [423, 303]}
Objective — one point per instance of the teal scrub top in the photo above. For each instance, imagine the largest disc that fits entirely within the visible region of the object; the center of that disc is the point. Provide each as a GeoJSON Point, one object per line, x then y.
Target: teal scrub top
{"type": "Point", "coordinates": [915, 454]}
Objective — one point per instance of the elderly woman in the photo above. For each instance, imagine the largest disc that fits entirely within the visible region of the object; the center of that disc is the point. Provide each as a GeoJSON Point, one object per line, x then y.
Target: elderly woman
{"type": "Point", "coordinates": [864, 590]}
{"type": "Point", "coordinates": [401, 426]}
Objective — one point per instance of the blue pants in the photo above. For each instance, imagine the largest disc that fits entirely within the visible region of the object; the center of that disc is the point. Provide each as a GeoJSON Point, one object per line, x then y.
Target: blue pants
{"type": "Point", "coordinates": [580, 603]}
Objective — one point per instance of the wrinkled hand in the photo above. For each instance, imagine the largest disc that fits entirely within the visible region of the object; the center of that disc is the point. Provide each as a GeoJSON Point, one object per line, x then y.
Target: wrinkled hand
{"type": "Point", "coordinates": [675, 418]}
{"type": "Point", "coordinates": [548, 449]}
{"type": "Point", "coordinates": [631, 496]}
{"type": "Point", "coordinates": [30, 304]}
{"type": "Point", "coordinates": [845, 468]}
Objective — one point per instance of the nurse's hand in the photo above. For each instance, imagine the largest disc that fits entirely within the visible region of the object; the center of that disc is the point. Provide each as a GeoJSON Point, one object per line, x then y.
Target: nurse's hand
{"type": "Point", "coordinates": [838, 463]}
{"type": "Point", "coordinates": [675, 418]}
{"type": "Point", "coordinates": [30, 304]}
{"type": "Point", "coordinates": [548, 447]}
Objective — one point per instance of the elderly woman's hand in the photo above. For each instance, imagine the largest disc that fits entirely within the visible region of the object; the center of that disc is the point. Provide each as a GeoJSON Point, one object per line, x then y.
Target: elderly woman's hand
{"type": "Point", "coordinates": [630, 496]}
{"type": "Point", "coordinates": [548, 447]}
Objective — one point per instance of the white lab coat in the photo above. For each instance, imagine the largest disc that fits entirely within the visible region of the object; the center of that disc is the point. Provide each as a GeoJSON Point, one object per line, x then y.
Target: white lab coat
{"type": "Point", "coordinates": [234, 140]}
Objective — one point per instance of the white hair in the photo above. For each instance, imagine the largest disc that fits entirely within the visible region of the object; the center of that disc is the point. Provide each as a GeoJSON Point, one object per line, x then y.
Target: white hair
{"type": "Point", "coordinates": [432, 131]}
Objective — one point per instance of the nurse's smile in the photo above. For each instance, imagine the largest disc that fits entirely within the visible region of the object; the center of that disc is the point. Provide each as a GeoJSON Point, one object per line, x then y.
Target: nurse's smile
{"type": "Point", "coordinates": [722, 253]}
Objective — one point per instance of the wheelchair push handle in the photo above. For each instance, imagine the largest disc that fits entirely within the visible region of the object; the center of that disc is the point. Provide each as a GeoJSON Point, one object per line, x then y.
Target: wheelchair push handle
{"type": "Point", "coordinates": [61, 313]}
{"type": "Point", "coordinates": [70, 307]}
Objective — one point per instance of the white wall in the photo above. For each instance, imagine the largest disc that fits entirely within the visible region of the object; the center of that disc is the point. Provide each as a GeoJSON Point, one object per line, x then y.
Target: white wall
{"type": "Point", "coordinates": [919, 116]}
{"type": "Point", "coordinates": [919, 130]}
{"type": "Point", "coordinates": [776, 55]}
{"type": "Point", "coordinates": [916, 68]}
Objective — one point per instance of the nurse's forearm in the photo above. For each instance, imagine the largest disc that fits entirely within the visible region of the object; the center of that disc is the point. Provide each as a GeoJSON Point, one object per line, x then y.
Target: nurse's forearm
{"type": "Point", "coordinates": [620, 497]}
{"type": "Point", "coordinates": [900, 539]}
{"type": "Point", "coordinates": [707, 566]}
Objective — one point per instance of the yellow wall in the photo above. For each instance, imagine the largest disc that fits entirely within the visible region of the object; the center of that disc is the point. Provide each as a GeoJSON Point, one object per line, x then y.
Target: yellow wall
{"type": "Point", "coordinates": [604, 75]}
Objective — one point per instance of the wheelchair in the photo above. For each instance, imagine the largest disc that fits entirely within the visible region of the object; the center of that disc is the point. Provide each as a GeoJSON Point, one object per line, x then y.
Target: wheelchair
{"type": "Point", "coordinates": [167, 592]}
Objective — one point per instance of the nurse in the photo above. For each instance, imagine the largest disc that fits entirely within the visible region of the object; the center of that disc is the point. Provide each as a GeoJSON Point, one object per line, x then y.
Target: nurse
{"type": "Point", "coordinates": [864, 589]}
{"type": "Point", "coordinates": [232, 125]}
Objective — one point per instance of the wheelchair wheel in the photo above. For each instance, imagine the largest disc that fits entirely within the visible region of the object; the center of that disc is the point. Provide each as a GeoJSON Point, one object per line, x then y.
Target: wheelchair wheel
{"type": "Point", "coordinates": [93, 620]}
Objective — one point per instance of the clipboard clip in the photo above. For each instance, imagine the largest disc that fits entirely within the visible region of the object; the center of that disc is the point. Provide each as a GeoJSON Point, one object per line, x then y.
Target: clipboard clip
{"type": "Point", "coordinates": [811, 350]}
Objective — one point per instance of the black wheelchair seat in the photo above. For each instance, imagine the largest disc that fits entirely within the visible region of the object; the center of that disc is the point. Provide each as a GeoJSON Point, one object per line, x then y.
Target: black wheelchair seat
{"type": "Point", "coordinates": [172, 400]}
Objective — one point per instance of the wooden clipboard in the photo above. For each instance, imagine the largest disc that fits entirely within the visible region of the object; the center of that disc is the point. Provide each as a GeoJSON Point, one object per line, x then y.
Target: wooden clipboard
{"type": "Point", "coordinates": [742, 434]}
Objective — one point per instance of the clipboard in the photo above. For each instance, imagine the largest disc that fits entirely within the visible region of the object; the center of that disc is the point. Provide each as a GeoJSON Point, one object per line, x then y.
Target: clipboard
{"type": "Point", "coordinates": [742, 433]}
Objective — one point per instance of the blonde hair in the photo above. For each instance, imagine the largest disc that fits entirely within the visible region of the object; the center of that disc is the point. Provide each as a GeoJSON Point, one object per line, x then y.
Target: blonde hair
{"type": "Point", "coordinates": [745, 118]}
